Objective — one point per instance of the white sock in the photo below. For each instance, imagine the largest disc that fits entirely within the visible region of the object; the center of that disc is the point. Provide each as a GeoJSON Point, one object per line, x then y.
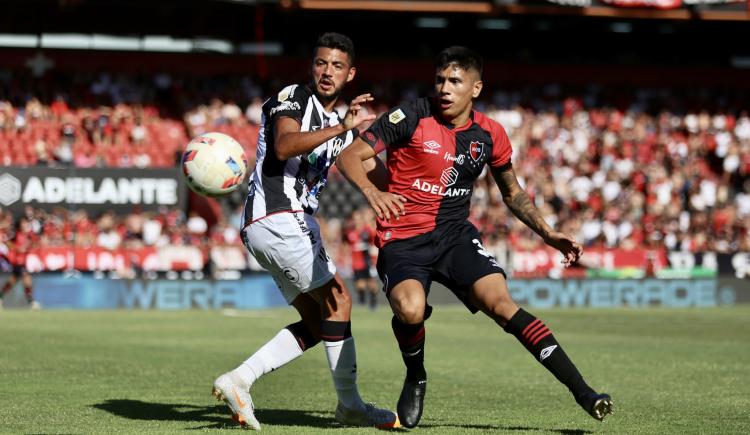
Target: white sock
{"type": "Point", "coordinates": [342, 359]}
{"type": "Point", "coordinates": [278, 351]}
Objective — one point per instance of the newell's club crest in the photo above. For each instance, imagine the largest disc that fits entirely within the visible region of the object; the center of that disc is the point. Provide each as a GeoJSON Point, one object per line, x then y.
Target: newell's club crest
{"type": "Point", "coordinates": [476, 151]}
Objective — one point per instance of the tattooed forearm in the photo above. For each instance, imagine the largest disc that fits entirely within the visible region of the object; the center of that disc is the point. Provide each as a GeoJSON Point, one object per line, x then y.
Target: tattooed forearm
{"type": "Point", "coordinates": [521, 206]}
{"type": "Point", "coordinates": [519, 202]}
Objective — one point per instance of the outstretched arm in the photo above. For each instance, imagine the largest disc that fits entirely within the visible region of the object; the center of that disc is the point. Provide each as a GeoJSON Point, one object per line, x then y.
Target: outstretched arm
{"type": "Point", "coordinates": [290, 141]}
{"type": "Point", "coordinates": [351, 162]}
{"type": "Point", "coordinates": [520, 204]}
{"type": "Point", "coordinates": [377, 173]}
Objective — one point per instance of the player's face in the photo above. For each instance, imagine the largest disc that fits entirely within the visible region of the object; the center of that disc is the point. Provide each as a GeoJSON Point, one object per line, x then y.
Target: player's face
{"type": "Point", "coordinates": [455, 89]}
{"type": "Point", "coordinates": [331, 71]}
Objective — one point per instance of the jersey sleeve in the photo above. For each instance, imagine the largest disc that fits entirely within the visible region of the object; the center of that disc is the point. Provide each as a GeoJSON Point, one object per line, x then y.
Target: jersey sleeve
{"type": "Point", "coordinates": [289, 103]}
{"type": "Point", "coordinates": [501, 149]}
{"type": "Point", "coordinates": [393, 128]}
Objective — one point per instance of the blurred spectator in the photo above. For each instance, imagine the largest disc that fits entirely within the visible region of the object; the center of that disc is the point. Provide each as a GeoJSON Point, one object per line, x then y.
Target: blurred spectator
{"type": "Point", "coordinates": [618, 167]}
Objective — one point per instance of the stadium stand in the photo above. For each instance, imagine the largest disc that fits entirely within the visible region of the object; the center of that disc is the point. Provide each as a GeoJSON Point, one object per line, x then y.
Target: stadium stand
{"type": "Point", "coordinates": [642, 167]}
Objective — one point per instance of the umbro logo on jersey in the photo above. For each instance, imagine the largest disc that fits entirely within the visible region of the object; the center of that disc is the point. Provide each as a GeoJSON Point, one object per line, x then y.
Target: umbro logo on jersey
{"type": "Point", "coordinates": [547, 351]}
{"type": "Point", "coordinates": [431, 147]}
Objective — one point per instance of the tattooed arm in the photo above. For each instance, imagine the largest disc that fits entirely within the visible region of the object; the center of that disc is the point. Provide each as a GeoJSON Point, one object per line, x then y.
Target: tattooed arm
{"type": "Point", "coordinates": [520, 204]}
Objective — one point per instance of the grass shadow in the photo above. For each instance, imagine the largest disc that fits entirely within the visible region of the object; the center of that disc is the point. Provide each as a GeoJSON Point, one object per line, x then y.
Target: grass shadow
{"type": "Point", "coordinates": [140, 410]}
{"type": "Point", "coordinates": [494, 427]}
{"type": "Point", "coordinates": [216, 415]}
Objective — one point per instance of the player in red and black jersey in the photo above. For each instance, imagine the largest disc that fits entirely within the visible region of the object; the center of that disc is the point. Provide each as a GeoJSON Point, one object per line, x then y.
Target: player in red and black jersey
{"type": "Point", "coordinates": [17, 250]}
{"type": "Point", "coordinates": [360, 237]}
{"type": "Point", "coordinates": [436, 149]}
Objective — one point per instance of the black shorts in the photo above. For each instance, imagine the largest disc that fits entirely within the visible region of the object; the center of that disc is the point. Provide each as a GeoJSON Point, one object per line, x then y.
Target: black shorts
{"type": "Point", "coordinates": [451, 255]}
{"type": "Point", "coordinates": [362, 274]}
{"type": "Point", "coordinates": [18, 270]}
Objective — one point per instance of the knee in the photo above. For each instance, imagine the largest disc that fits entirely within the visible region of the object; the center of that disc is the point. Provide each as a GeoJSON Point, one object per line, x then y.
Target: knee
{"type": "Point", "coordinates": [409, 311]}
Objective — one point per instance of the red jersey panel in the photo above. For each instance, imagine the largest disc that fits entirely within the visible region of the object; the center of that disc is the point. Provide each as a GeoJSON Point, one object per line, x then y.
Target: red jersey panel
{"type": "Point", "coordinates": [359, 241]}
{"type": "Point", "coordinates": [433, 164]}
{"type": "Point", "coordinates": [22, 244]}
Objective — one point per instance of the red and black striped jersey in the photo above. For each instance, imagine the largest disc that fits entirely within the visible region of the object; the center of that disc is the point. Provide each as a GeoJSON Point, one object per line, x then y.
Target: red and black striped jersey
{"type": "Point", "coordinates": [434, 165]}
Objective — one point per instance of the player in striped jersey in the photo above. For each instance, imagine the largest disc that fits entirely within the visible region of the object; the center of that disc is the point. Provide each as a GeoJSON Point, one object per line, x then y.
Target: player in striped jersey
{"type": "Point", "coordinates": [300, 137]}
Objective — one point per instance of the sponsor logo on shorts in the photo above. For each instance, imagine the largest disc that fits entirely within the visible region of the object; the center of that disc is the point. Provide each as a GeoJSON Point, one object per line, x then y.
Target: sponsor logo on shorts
{"type": "Point", "coordinates": [290, 274]}
{"type": "Point", "coordinates": [323, 254]}
{"type": "Point", "coordinates": [481, 251]}
{"type": "Point", "coordinates": [305, 230]}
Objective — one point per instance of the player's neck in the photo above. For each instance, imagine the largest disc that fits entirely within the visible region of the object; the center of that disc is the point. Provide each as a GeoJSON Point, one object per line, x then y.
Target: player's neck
{"type": "Point", "coordinates": [458, 121]}
{"type": "Point", "coordinates": [327, 103]}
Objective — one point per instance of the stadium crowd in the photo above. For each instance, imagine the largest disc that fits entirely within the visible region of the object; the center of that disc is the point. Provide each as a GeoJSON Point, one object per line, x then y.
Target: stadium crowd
{"type": "Point", "coordinates": [617, 168]}
{"type": "Point", "coordinates": [167, 227]}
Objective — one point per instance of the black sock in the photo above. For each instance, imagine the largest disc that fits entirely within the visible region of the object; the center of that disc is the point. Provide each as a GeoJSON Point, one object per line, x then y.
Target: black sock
{"type": "Point", "coordinates": [333, 330]}
{"type": "Point", "coordinates": [540, 342]}
{"type": "Point", "coordinates": [304, 337]}
{"type": "Point", "coordinates": [411, 342]}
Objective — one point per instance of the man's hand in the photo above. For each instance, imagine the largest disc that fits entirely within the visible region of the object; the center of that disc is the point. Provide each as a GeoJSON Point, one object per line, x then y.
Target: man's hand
{"type": "Point", "coordinates": [355, 115]}
{"type": "Point", "coordinates": [570, 249]}
{"type": "Point", "coordinates": [385, 204]}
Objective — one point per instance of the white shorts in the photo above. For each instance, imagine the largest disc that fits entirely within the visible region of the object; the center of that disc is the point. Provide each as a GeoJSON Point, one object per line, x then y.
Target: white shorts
{"type": "Point", "coordinates": [288, 245]}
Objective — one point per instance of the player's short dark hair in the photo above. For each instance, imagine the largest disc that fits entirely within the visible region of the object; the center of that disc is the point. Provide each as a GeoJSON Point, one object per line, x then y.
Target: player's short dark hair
{"type": "Point", "coordinates": [338, 41]}
{"type": "Point", "coordinates": [463, 57]}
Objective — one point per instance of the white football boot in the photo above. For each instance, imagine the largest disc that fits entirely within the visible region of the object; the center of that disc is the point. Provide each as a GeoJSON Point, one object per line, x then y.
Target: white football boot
{"type": "Point", "coordinates": [238, 400]}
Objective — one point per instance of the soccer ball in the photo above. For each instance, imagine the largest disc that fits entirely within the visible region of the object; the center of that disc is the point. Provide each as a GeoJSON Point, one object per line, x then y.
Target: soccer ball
{"type": "Point", "coordinates": [214, 164]}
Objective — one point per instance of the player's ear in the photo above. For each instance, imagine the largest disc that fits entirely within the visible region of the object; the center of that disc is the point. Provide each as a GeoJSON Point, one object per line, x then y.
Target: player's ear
{"type": "Point", "coordinates": [477, 89]}
{"type": "Point", "coordinates": [352, 73]}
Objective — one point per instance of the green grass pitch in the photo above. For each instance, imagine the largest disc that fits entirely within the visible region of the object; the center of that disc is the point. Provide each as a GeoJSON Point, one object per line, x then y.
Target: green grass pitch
{"type": "Point", "coordinates": [669, 371]}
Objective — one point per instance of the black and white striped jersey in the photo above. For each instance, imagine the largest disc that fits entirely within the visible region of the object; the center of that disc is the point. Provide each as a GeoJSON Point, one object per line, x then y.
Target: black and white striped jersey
{"type": "Point", "coordinates": [294, 184]}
